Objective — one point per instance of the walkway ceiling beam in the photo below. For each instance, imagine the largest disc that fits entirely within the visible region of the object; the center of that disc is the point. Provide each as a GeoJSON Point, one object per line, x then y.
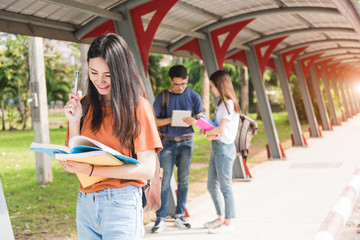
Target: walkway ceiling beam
{"type": "Point", "coordinates": [86, 8]}
{"type": "Point", "coordinates": [273, 11]}
{"type": "Point", "coordinates": [302, 30]}
{"type": "Point", "coordinates": [238, 18]}
{"type": "Point", "coordinates": [6, 15]}
{"type": "Point", "coordinates": [198, 10]}
{"type": "Point", "coordinates": [326, 50]}
{"type": "Point", "coordinates": [353, 55]}
{"type": "Point", "coordinates": [322, 41]}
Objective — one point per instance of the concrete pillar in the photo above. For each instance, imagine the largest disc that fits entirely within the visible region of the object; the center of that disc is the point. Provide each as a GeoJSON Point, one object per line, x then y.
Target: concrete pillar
{"type": "Point", "coordinates": [84, 48]}
{"type": "Point", "coordinates": [353, 97]}
{"type": "Point", "coordinates": [289, 103]}
{"type": "Point", "coordinates": [265, 109]}
{"type": "Point", "coordinates": [309, 108]}
{"type": "Point", "coordinates": [344, 98]}
{"type": "Point", "coordinates": [39, 107]}
{"type": "Point", "coordinates": [320, 100]}
{"type": "Point", "coordinates": [330, 99]}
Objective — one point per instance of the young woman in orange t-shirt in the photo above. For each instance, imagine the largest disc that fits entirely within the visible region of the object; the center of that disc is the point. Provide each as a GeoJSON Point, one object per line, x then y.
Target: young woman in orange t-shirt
{"type": "Point", "coordinates": [119, 116]}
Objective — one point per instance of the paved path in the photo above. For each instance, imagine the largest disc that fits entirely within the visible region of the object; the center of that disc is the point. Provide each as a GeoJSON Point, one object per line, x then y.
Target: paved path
{"type": "Point", "coordinates": [287, 199]}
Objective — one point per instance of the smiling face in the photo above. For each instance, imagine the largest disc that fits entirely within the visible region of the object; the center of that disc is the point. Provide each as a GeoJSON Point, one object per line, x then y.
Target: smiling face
{"type": "Point", "coordinates": [99, 74]}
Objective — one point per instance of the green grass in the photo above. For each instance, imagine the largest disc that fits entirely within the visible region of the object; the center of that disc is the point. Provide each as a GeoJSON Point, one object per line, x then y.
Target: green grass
{"type": "Point", "coordinates": [37, 210]}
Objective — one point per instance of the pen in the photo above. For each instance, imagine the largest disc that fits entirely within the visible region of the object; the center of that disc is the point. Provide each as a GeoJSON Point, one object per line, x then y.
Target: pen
{"type": "Point", "coordinates": [76, 81]}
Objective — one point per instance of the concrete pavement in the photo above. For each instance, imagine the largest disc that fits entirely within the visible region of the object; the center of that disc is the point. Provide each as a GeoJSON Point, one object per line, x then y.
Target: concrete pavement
{"type": "Point", "coordinates": [287, 199]}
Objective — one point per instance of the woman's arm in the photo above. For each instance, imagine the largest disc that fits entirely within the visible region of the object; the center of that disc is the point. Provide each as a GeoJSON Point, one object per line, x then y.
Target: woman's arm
{"type": "Point", "coordinates": [215, 133]}
{"type": "Point", "coordinates": [143, 171]}
{"type": "Point", "coordinates": [73, 112]}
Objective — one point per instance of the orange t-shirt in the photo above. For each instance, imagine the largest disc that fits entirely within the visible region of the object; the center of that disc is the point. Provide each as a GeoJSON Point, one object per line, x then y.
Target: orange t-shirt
{"type": "Point", "coordinates": [147, 139]}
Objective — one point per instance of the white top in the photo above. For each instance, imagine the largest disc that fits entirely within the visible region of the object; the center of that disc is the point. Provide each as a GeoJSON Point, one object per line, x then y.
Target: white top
{"type": "Point", "coordinates": [229, 133]}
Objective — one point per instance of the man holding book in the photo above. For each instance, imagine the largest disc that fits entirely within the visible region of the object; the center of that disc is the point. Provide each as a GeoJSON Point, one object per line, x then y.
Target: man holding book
{"type": "Point", "coordinates": [177, 141]}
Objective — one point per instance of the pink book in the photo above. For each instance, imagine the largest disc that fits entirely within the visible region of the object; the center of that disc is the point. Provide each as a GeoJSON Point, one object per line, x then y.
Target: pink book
{"type": "Point", "coordinates": [204, 124]}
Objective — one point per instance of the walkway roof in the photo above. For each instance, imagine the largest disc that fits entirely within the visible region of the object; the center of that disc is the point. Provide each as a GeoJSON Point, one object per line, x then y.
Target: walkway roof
{"type": "Point", "coordinates": [330, 27]}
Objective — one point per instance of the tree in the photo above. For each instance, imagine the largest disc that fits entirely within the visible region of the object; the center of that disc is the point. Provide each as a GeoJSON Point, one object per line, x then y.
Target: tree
{"type": "Point", "coordinates": [155, 71]}
{"type": "Point", "coordinates": [14, 75]}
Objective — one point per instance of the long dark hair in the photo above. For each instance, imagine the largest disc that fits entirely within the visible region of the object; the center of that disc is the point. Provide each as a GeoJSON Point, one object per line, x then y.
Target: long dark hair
{"type": "Point", "coordinates": [126, 87]}
{"type": "Point", "coordinates": [222, 82]}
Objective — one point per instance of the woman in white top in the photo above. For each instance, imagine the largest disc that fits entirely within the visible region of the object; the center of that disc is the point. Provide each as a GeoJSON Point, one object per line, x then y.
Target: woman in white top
{"type": "Point", "coordinates": [223, 151]}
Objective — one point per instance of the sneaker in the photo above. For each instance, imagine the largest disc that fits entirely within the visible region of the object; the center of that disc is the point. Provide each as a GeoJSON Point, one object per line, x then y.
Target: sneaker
{"type": "Point", "coordinates": [221, 229]}
{"type": "Point", "coordinates": [159, 226]}
{"type": "Point", "coordinates": [182, 223]}
{"type": "Point", "coordinates": [213, 224]}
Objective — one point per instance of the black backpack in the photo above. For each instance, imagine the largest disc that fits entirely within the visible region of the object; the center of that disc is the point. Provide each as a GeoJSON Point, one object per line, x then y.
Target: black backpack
{"type": "Point", "coordinates": [246, 130]}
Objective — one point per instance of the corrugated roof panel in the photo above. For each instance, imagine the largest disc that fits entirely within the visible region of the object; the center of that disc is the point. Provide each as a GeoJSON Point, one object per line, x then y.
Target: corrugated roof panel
{"type": "Point", "coordinates": [337, 35]}
{"type": "Point", "coordinates": [163, 35]}
{"type": "Point", "coordinates": [61, 12]}
{"type": "Point", "coordinates": [18, 6]}
{"type": "Point", "coordinates": [348, 44]}
{"type": "Point", "coordinates": [188, 19]}
{"type": "Point", "coordinates": [309, 3]}
{"type": "Point", "coordinates": [34, 8]}
{"type": "Point", "coordinates": [5, 3]}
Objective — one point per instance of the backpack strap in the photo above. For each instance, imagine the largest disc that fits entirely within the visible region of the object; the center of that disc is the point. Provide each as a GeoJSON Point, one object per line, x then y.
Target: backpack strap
{"type": "Point", "coordinates": [164, 105]}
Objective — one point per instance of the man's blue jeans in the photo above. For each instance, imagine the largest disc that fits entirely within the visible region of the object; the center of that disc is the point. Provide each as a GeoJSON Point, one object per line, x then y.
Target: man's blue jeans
{"type": "Point", "coordinates": [220, 178]}
{"type": "Point", "coordinates": [179, 153]}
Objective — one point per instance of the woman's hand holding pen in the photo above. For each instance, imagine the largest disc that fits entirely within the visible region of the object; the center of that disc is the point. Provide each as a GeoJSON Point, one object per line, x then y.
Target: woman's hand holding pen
{"type": "Point", "coordinates": [73, 109]}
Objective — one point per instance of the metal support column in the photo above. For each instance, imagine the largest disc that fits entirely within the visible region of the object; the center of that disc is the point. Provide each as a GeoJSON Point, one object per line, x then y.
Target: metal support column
{"type": "Point", "coordinates": [265, 109]}
{"type": "Point", "coordinates": [349, 97]}
{"type": "Point", "coordinates": [350, 92]}
{"type": "Point", "coordinates": [84, 48]}
{"type": "Point", "coordinates": [289, 103]}
{"type": "Point", "coordinates": [208, 54]}
{"type": "Point", "coordinates": [320, 100]}
{"type": "Point", "coordinates": [125, 29]}
{"type": "Point", "coordinates": [39, 107]}
{"type": "Point", "coordinates": [330, 99]}
{"type": "Point", "coordinates": [344, 98]}
{"type": "Point", "coordinates": [335, 86]}
{"type": "Point", "coordinates": [309, 108]}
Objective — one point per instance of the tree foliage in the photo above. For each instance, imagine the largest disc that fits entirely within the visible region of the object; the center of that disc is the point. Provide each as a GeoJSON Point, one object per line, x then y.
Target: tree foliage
{"type": "Point", "coordinates": [14, 79]}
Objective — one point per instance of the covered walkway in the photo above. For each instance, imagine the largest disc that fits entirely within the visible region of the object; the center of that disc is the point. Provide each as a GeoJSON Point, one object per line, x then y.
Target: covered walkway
{"type": "Point", "coordinates": [286, 199]}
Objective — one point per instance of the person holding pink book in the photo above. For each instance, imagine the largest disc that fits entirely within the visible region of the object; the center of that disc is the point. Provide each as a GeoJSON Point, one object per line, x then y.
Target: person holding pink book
{"type": "Point", "coordinates": [223, 154]}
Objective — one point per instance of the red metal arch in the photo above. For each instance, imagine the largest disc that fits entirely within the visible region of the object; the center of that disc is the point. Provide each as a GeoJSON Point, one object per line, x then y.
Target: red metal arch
{"type": "Point", "coordinates": [232, 30]}
{"type": "Point", "coordinates": [240, 56]}
{"type": "Point", "coordinates": [106, 27]}
{"type": "Point", "coordinates": [191, 46]}
{"type": "Point", "coordinates": [307, 62]}
{"type": "Point", "coordinates": [288, 63]}
{"type": "Point", "coordinates": [145, 37]}
{"type": "Point", "coordinates": [264, 58]}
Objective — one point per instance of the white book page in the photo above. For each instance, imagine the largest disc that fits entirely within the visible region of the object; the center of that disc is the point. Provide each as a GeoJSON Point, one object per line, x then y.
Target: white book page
{"type": "Point", "coordinates": [49, 146]}
{"type": "Point", "coordinates": [85, 141]}
{"type": "Point", "coordinates": [177, 118]}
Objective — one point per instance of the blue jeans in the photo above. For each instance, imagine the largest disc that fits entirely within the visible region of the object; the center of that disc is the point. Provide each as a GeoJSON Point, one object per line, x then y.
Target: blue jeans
{"type": "Point", "coordinates": [220, 178]}
{"type": "Point", "coordinates": [113, 213]}
{"type": "Point", "coordinates": [179, 153]}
